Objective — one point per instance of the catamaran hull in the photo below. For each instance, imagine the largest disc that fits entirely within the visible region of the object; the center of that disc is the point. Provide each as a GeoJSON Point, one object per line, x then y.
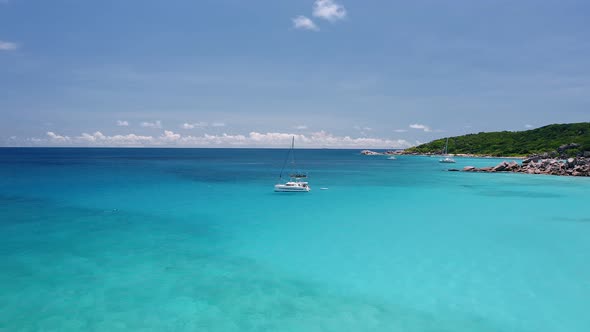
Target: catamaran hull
{"type": "Point", "coordinates": [292, 189]}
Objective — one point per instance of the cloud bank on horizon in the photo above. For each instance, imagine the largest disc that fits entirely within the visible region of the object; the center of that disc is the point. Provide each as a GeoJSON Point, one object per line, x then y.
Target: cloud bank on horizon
{"type": "Point", "coordinates": [380, 73]}
{"type": "Point", "coordinates": [254, 139]}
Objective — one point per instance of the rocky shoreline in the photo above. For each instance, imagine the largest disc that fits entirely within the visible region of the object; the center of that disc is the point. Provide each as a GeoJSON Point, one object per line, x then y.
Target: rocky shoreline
{"type": "Point", "coordinates": [578, 166]}
{"type": "Point", "coordinates": [538, 164]}
{"type": "Point", "coordinates": [551, 163]}
{"type": "Point", "coordinates": [404, 153]}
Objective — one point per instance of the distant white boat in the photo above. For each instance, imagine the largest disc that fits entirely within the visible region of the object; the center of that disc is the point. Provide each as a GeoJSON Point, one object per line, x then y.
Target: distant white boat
{"type": "Point", "coordinates": [447, 159]}
{"type": "Point", "coordinates": [391, 158]}
{"type": "Point", "coordinates": [292, 186]}
{"type": "Point", "coordinates": [296, 181]}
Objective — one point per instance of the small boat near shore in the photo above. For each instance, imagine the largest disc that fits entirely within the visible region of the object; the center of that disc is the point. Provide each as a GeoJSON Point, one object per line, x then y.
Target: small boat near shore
{"type": "Point", "coordinates": [447, 159]}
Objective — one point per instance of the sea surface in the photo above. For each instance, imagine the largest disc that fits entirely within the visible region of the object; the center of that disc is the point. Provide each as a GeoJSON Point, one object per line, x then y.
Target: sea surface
{"type": "Point", "coordinates": [196, 240]}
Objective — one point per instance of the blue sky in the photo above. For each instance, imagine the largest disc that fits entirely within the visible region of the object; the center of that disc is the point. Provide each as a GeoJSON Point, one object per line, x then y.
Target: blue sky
{"type": "Point", "coordinates": [343, 73]}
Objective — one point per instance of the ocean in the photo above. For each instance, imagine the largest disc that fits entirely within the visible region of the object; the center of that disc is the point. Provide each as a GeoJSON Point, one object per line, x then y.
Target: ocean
{"type": "Point", "coordinates": [196, 240]}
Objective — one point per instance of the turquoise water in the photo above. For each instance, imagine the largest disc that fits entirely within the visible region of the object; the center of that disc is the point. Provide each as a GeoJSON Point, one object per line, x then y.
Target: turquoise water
{"type": "Point", "coordinates": [195, 240]}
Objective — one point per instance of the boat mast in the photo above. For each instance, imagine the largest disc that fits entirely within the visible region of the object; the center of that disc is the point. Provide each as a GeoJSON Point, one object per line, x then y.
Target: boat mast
{"type": "Point", "coordinates": [291, 154]}
{"type": "Point", "coordinates": [293, 151]}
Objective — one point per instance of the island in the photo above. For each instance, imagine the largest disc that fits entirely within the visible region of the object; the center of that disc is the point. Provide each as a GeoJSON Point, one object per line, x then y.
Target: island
{"type": "Point", "coordinates": [557, 149]}
{"type": "Point", "coordinates": [557, 140]}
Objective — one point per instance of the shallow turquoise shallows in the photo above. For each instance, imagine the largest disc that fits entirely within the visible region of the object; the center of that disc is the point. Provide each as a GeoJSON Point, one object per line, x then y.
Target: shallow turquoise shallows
{"type": "Point", "coordinates": [196, 240]}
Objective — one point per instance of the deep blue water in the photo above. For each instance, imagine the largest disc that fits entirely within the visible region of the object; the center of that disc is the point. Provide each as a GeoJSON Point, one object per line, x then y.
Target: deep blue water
{"type": "Point", "coordinates": [196, 240]}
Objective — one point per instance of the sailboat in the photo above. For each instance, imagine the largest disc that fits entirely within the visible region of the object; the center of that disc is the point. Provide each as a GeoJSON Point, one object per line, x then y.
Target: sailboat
{"type": "Point", "coordinates": [447, 159]}
{"type": "Point", "coordinates": [296, 182]}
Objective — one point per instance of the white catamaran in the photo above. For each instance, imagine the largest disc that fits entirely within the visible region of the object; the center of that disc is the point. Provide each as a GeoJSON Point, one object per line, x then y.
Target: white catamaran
{"type": "Point", "coordinates": [447, 159]}
{"type": "Point", "coordinates": [296, 182]}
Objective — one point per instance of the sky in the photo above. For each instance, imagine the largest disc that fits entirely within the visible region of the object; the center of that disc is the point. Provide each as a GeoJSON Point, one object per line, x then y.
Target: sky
{"type": "Point", "coordinates": [332, 73]}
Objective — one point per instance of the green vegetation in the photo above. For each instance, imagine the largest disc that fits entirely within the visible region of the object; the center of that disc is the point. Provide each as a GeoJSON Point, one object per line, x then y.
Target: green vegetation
{"type": "Point", "coordinates": [520, 143]}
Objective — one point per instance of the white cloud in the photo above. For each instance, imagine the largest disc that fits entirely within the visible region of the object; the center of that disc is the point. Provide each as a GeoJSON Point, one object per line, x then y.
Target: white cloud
{"type": "Point", "coordinates": [528, 126]}
{"type": "Point", "coordinates": [329, 10]}
{"type": "Point", "coordinates": [400, 130]}
{"type": "Point", "coordinates": [187, 125]}
{"type": "Point", "coordinates": [156, 124]}
{"type": "Point", "coordinates": [253, 139]}
{"type": "Point", "coordinates": [421, 126]}
{"type": "Point", "coordinates": [99, 139]}
{"type": "Point", "coordinates": [300, 127]}
{"type": "Point", "coordinates": [219, 140]}
{"type": "Point", "coordinates": [201, 124]}
{"type": "Point", "coordinates": [127, 140]}
{"type": "Point", "coordinates": [170, 136]}
{"type": "Point", "coordinates": [122, 123]}
{"type": "Point", "coordinates": [363, 130]}
{"type": "Point", "coordinates": [57, 138]}
{"type": "Point", "coordinates": [303, 23]}
{"type": "Point", "coordinates": [8, 46]}
{"type": "Point", "coordinates": [97, 136]}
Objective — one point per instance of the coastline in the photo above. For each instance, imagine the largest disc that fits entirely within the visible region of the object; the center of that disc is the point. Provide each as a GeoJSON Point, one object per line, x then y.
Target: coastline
{"type": "Point", "coordinates": [538, 164]}
{"type": "Point", "coordinates": [465, 155]}
{"type": "Point", "coordinates": [482, 156]}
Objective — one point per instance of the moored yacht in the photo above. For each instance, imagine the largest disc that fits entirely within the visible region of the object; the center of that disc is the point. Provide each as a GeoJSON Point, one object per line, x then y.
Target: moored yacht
{"type": "Point", "coordinates": [447, 159]}
{"type": "Point", "coordinates": [292, 186]}
{"type": "Point", "coordinates": [296, 182]}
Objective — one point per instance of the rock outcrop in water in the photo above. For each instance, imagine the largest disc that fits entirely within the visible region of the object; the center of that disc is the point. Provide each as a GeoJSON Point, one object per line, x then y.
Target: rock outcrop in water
{"type": "Point", "coordinates": [370, 153]}
{"type": "Point", "coordinates": [579, 166]}
{"type": "Point", "coordinates": [374, 153]}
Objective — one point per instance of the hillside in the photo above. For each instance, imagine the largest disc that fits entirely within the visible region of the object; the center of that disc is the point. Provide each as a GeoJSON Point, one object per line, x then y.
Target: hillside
{"type": "Point", "coordinates": [520, 143]}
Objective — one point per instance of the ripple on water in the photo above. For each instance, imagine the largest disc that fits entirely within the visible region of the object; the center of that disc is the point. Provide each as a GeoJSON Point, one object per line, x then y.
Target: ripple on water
{"type": "Point", "coordinates": [569, 219]}
{"type": "Point", "coordinates": [518, 193]}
